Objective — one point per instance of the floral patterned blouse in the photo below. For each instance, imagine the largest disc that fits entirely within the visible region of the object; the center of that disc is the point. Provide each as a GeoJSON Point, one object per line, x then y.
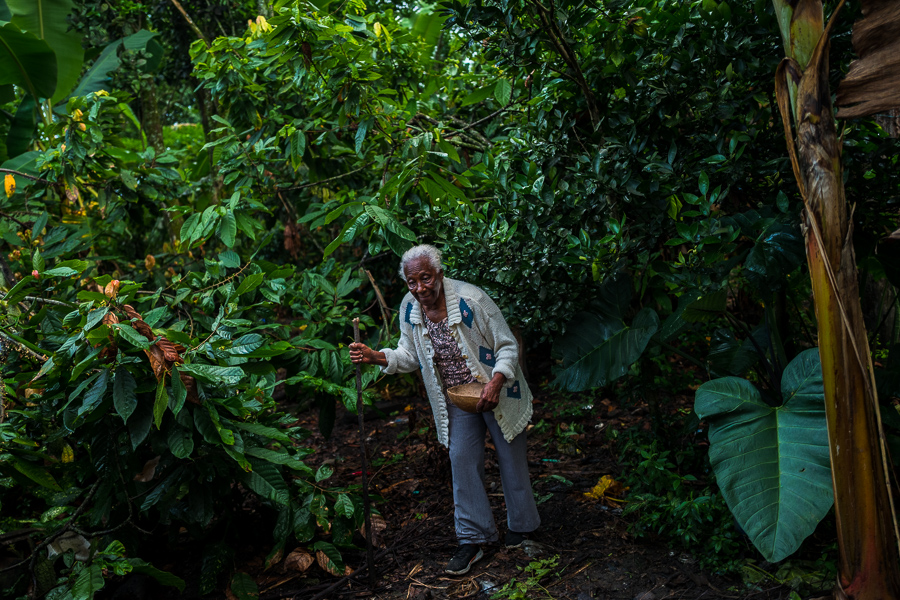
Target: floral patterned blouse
{"type": "Point", "coordinates": [448, 358]}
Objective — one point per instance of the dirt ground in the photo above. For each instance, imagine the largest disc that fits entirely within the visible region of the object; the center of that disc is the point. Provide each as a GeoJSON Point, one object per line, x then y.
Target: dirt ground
{"type": "Point", "coordinates": [595, 557]}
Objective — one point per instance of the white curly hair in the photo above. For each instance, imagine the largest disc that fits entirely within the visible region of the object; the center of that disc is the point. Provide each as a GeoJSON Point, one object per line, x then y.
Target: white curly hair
{"type": "Point", "coordinates": [421, 251]}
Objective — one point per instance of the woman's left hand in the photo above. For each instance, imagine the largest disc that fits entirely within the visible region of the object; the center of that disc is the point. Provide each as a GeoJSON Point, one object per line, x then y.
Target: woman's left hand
{"type": "Point", "coordinates": [490, 395]}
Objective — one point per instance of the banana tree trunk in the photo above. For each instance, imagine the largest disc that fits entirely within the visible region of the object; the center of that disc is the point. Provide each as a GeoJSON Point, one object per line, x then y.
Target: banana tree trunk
{"type": "Point", "coordinates": [867, 537]}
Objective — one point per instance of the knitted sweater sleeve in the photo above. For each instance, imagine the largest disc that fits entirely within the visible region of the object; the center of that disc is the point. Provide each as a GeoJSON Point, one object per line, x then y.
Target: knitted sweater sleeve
{"type": "Point", "coordinates": [498, 334]}
{"type": "Point", "coordinates": [403, 359]}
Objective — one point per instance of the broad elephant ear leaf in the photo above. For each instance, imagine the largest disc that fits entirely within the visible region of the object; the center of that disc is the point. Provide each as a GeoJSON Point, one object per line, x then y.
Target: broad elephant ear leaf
{"type": "Point", "coordinates": [596, 349]}
{"type": "Point", "coordinates": [771, 463]}
{"type": "Point", "coordinates": [729, 355]}
{"type": "Point", "coordinates": [47, 20]}
{"type": "Point", "coordinates": [27, 62]}
{"type": "Point", "coordinates": [778, 251]}
{"type": "Point", "coordinates": [675, 323]}
{"type": "Point", "coordinates": [21, 129]}
{"type": "Point", "coordinates": [614, 296]}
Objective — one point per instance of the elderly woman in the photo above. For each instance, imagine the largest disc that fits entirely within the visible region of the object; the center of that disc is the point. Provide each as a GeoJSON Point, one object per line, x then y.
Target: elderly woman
{"type": "Point", "coordinates": [455, 334]}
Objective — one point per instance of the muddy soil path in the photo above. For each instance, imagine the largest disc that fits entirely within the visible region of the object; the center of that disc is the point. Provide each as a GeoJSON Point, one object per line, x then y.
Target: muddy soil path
{"type": "Point", "coordinates": [584, 543]}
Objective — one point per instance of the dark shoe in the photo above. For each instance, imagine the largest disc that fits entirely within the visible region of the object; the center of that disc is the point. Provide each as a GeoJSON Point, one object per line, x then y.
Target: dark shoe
{"type": "Point", "coordinates": [466, 556]}
{"type": "Point", "coordinates": [514, 539]}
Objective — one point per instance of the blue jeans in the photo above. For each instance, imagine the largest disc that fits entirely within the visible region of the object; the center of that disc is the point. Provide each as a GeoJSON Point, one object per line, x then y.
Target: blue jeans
{"type": "Point", "coordinates": [473, 517]}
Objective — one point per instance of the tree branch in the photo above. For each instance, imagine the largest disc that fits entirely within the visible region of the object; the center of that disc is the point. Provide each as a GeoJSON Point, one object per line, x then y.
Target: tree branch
{"type": "Point", "coordinates": [27, 176]}
{"type": "Point", "coordinates": [49, 301]}
{"type": "Point", "coordinates": [12, 218]}
{"type": "Point", "coordinates": [190, 22]}
{"type": "Point", "coordinates": [559, 41]}
{"type": "Point", "coordinates": [321, 181]}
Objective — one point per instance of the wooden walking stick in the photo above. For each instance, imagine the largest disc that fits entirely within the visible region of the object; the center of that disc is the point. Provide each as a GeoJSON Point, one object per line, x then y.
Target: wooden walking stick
{"type": "Point", "coordinates": [360, 411]}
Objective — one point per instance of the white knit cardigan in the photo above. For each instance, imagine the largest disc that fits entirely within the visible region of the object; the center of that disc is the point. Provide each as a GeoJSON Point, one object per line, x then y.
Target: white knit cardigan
{"type": "Point", "coordinates": [488, 347]}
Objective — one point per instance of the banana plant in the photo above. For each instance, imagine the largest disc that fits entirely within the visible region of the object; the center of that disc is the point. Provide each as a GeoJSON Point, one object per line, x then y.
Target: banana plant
{"type": "Point", "coordinates": [867, 526]}
{"type": "Point", "coordinates": [40, 55]}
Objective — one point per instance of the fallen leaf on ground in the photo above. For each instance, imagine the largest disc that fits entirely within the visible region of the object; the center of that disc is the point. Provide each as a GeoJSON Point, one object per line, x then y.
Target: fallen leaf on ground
{"type": "Point", "coordinates": [298, 560]}
{"type": "Point", "coordinates": [326, 563]}
{"type": "Point", "coordinates": [608, 491]}
{"type": "Point", "coordinates": [378, 527]}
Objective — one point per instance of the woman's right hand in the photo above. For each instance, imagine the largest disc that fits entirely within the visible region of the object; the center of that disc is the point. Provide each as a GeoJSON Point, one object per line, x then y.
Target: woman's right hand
{"type": "Point", "coordinates": [360, 353]}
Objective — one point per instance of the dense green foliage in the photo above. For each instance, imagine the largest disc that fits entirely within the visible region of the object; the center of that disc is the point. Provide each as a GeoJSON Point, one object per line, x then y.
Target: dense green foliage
{"type": "Point", "coordinates": [610, 174]}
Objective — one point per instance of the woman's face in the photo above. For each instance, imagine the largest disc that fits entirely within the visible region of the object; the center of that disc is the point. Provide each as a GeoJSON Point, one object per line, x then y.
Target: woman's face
{"type": "Point", "coordinates": [423, 281]}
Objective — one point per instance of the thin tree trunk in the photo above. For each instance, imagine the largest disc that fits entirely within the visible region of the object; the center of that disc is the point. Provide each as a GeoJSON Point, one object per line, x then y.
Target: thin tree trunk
{"type": "Point", "coordinates": [863, 505]}
{"type": "Point", "coordinates": [150, 118]}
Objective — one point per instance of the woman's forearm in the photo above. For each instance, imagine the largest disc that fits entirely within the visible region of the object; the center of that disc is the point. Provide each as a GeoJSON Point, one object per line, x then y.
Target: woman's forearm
{"type": "Point", "coordinates": [377, 358]}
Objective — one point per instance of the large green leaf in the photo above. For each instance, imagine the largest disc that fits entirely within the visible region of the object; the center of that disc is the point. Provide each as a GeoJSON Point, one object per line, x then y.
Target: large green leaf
{"type": "Point", "coordinates": [730, 356]}
{"type": "Point", "coordinates": [46, 19]}
{"type": "Point", "coordinates": [243, 587]}
{"type": "Point", "coordinates": [27, 61]}
{"type": "Point", "coordinates": [124, 398]}
{"type": "Point", "coordinates": [778, 250]}
{"type": "Point", "coordinates": [596, 349]}
{"type": "Point", "coordinates": [97, 77]}
{"type": "Point", "coordinates": [88, 583]}
{"type": "Point", "coordinates": [214, 373]}
{"type": "Point", "coordinates": [35, 473]}
{"type": "Point", "coordinates": [266, 480]}
{"type": "Point", "coordinates": [771, 463]}
{"type": "Point", "coordinates": [21, 130]}
{"type": "Point", "coordinates": [164, 577]}
{"type": "Point", "coordinates": [706, 307]}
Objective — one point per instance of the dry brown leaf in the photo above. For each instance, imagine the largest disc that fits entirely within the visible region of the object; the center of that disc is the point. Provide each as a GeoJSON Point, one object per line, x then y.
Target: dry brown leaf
{"type": "Point", "coordinates": [108, 354]}
{"type": "Point", "coordinates": [275, 558]}
{"type": "Point", "coordinates": [150, 262]}
{"type": "Point", "coordinates": [149, 470]}
{"type": "Point", "coordinates": [110, 319]}
{"type": "Point", "coordinates": [291, 239]}
{"type": "Point", "coordinates": [169, 351]}
{"type": "Point", "coordinates": [872, 84]}
{"type": "Point", "coordinates": [190, 385]}
{"type": "Point", "coordinates": [129, 310]}
{"type": "Point", "coordinates": [298, 560]}
{"type": "Point", "coordinates": [326, 563]}
{"type": "Point", "coordinates": [112, 289]}
{"type": "Point", "coordinates": [378, 527]}
{"type": "Point", "coordinates": [73, 194]}
{"type": "Point", "coordinates": [157, 361]}
{"type": "Point", "coordinates": [306, 50]}
{"type": "Point", "coordinates": [143, 329]}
